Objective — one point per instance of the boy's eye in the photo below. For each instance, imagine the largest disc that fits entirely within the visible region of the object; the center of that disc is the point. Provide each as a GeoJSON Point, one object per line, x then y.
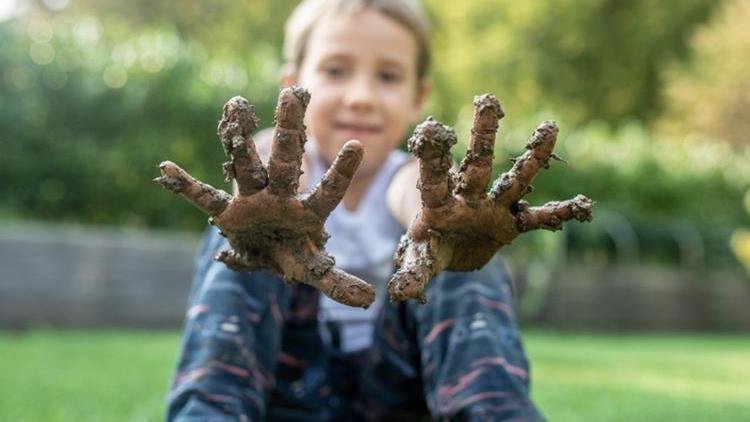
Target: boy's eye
{"type": "Point", "coordinates": [390, 76]}
{"type": "Point", "coordinates": [334, 71]}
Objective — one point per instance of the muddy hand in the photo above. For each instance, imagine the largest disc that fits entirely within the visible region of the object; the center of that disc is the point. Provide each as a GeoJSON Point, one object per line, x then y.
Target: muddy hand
{"type": "Point", "coordinates": [460, 225]}
{"type": "Point", "coordinates": [268, 225]}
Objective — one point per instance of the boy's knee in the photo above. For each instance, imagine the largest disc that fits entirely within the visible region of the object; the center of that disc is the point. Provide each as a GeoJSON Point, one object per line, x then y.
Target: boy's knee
{"type": "Point", "coordinates": [222, 288]}
{"type": "Point", "coordinates": [469, 292]}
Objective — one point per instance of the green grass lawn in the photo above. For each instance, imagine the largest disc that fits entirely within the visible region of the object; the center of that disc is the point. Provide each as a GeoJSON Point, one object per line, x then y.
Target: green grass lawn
{"type": "Point", "coordinates": [592, 377]}
{"type": "Point", "coordinates": [50, 375]}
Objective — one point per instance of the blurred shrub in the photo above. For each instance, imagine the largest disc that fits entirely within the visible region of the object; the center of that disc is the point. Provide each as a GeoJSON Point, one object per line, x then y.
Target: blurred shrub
{"type": "Point", "coordinates": [86, 118]}
{"type": "Point", "coordinates": [90, 105]}
{"type": "Point", "coordinates": [740, 241]}
{"type": "Point", "coordinates": [665, 191]}
{"type": "Point", "coordinates": [587, 59]}
{"type": "Point", "coordinates": [709, 95]}
{"type": "Point", "coordinates": [230, 29]}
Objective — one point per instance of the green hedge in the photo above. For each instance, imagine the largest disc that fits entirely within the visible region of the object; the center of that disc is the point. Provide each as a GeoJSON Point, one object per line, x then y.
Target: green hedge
{"type": "Point", "coordinates": [89, 106]}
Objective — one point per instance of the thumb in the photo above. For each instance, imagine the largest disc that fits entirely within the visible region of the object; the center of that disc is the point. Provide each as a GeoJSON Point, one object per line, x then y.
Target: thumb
{"type": "Point", "coordinates": [418, 262]}
{"type": "Point", "coordinates": [345, 288]}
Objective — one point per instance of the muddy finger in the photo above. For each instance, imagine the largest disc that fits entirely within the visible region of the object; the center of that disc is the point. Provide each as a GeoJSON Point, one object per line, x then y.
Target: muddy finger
{"type": "Point", "coordinates": [345, 288]}
{"type": "Point", "coordinates": [417, 262]}
{"type": "Point", "coordinates": [512, 185]}
{"type": "Point", "coordinates": [431, 143]}
{"type": "Point", "coordinates": [552, 215]}
{"type": "Point", "coordinates": [235, 132]}
{"type": "Point", "coordinates": [209, 199]}
{"type": "Point", "coordinates": [476, 168]}
{"type": "Point", "coordinates": [332, 187]}
{"type": "Point", "coordinates": [288, 142]}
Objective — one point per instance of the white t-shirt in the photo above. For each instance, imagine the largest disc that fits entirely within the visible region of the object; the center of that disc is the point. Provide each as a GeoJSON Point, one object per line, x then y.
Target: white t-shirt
{"type": "Point", "coordinates": [363, 243]}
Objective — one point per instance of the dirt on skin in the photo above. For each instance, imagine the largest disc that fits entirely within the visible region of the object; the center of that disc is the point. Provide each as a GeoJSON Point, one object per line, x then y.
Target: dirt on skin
{"type": "Point", "coordinates": [268, 225]}
{"type": "Point", "coordinates": [461, 225]}
{"type": "Point", "coordinates": [271, 227]}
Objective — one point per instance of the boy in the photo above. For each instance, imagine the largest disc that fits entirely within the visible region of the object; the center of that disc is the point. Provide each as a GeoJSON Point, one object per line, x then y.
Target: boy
{"type": "Point", "coordinates": [257, 348]}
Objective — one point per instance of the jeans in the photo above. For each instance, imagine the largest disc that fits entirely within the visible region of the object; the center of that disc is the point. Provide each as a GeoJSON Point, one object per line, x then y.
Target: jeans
{"type": "Point", "coordinates": [252, 351]}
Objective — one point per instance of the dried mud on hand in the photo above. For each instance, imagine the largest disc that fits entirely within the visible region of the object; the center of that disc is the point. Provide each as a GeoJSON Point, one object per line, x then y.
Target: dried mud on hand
{"type": "Point", "coordinates": [461, 225]}
{"type": "Point", "coordinates": [270, 226]}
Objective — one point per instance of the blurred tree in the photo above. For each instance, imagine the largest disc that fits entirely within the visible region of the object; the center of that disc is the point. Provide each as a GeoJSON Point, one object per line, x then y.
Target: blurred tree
{"type": "Point", "coordinates": [740, 240]}
{"type": "Point", "coordinates": [656, 186]}
{"type": "Point", "coordinates": [584, 59]}
{"type": "Point", "coordinates": [227, 27]}
{"type": "Point", "coordinates": [85, 117]}
{"type": "Point", "coordinates": [94, 96]}
{"type": "Point", "coordinates": [709, 95]}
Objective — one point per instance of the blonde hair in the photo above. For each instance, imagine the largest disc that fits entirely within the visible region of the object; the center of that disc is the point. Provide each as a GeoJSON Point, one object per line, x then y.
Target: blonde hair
{"type": "Point", "coordinates": [408, 13]}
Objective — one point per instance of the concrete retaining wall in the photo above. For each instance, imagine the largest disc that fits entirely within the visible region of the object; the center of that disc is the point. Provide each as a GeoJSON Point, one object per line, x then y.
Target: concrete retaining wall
{"type": "Point", "coordinates": [84, 277]}
{"type": "Point", "coordinates": [647, 297]}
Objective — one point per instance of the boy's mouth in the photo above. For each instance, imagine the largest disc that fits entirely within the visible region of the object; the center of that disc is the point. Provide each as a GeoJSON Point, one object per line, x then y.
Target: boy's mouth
{"type": "Point", "coordinates": [355, 130]}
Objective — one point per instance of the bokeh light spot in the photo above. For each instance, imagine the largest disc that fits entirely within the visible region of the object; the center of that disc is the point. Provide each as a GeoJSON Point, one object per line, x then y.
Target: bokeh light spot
{"type": "Point", "coordinates": [40, 30]}
{"type": "Point", "coordinates": [125, 55]}
{"type": "Point", "coordinates": [235, 77]}
{"type": "Point", "coordinates": [115, 76]}
{"type": "Point", "coordinates": [87, 32]}
{"type": "Point", "coordinates": [56, 5]}
{"type": "Point", "coordinates": [41, 53]}
{"type": "Point", "coordinates": [152, 61]}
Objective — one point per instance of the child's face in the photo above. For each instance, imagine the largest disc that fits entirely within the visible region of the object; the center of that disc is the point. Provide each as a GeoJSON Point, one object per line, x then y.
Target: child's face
{"type": "Point", "coordinates": [361, 71]}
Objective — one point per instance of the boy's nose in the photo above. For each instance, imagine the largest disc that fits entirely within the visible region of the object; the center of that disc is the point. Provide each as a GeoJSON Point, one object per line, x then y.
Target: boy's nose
{"type": "Point", "coordinates": [361, 94]}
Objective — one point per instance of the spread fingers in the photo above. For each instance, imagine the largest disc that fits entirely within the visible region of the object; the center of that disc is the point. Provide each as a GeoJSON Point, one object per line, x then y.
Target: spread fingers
{"type": "Point", "coordinates": [431, 143]}
{"type": "Point", "coordinates": [209, 199]}
{"type": "Point", "coordinates": [332, 187]}
{"type": "Point", "coordinates": [288, 142]}
{"type": "Point", "coordinates": [476, 167]}
{"type": "Point", "coordinates": [235, 131]}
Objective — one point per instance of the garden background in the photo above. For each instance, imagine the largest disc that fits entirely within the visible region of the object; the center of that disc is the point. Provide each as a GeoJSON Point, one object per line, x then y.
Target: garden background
{"type": "Point", "coordinates": [643, 314]}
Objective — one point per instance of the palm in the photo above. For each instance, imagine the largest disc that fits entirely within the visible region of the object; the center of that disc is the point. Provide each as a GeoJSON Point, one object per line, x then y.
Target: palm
{"type": "Point", "coordinates": [269, 226]}
{"type": "Point", "coordinates": [461, 225]}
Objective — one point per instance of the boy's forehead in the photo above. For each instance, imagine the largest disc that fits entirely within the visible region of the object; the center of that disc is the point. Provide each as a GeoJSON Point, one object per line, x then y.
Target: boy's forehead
{"type": "Point", "coordinates": [386, 56]}
{"type": "Point", "coordinates": [344, 34]}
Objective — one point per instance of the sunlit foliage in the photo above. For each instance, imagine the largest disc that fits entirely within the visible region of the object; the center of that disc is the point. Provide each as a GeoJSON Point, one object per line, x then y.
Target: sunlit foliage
{"type": "Point", "coordinates": [709, 95]}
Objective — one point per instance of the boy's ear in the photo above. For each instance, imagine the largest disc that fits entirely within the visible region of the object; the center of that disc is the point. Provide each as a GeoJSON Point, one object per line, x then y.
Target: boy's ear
{"type": "Point", "coordinates": [423, 91]}
{"type": "Point", "coordinates": [288, 75]}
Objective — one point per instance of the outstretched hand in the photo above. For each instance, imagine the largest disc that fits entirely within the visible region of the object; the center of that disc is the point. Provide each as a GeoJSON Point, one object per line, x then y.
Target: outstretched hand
{"type": "Point", "coordinates": [460, 225]}
{"type": "Point", "coordinates": [268, 225]}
